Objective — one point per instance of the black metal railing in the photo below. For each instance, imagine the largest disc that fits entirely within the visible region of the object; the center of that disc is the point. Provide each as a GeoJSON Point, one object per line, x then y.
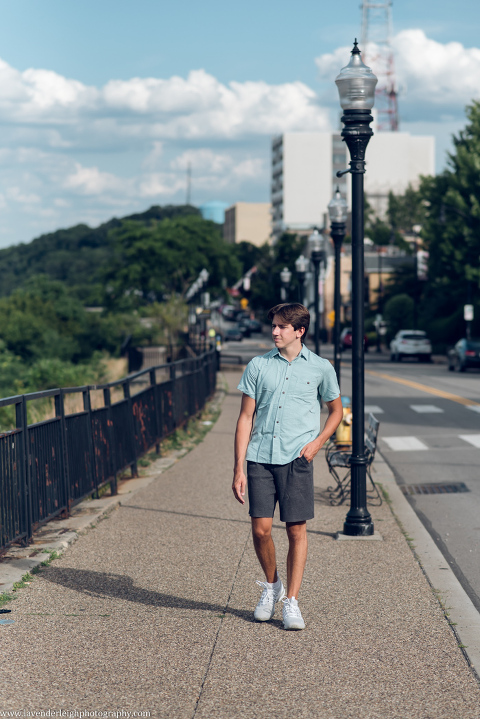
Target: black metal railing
{"type": "Point", "coordinates": [49, 466]}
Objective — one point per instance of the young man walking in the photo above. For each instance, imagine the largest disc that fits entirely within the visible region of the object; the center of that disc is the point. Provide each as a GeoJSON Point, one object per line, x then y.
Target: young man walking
{"type": "Point", "coordinates": [282, 390]}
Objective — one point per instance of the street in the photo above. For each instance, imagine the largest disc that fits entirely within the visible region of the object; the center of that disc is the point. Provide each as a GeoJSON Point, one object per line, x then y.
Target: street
{"type": "Point", "coordinates": [429, 435]}
{"type": "Point", "coordinates": [428, 439]}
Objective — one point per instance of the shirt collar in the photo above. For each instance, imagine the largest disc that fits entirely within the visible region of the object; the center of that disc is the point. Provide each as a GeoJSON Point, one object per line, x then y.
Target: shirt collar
{"type": "Point", "coordinates": [304, 352]}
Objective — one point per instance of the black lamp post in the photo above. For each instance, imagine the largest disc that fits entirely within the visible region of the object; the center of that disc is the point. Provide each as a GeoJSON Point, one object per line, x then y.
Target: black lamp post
{"type": "Point", "coordinates": [301, 266]}
{"type": "Point", "coordinates": [356, 87]}
{"type": "Point", "coordinates": [285, 277]}
{"type": "Point", "coordinates": [338, 211]}
{"type": "Point", "coordinates": [317, 254]}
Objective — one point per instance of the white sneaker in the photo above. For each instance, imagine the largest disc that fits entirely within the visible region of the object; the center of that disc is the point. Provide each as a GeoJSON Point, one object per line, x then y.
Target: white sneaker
{"type": "Point", "coordinates": [271, 594]}
{"type": "Point", "coordinates": [292, 616]}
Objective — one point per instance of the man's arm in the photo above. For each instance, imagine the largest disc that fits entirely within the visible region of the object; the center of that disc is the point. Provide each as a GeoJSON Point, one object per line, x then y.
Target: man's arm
{"type": "Point", "coordinates": [335, 416]}
{"type": "Point", "coordinates": [242, 437]}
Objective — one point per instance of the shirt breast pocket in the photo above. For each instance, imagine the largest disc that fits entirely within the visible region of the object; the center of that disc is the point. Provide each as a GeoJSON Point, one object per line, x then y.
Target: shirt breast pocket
{"type": "Point", "coordinates": [305, 389]}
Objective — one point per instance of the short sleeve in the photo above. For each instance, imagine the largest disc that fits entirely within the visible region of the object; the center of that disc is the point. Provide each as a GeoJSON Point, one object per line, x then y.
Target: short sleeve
{"type": "Point", "coordinates": [248, 383]}
{"type": "Point", "coordinates": [328, 388]}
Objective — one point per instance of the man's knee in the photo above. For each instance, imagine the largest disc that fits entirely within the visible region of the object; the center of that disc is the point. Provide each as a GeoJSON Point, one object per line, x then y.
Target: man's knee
{"type": "Point", "coordinates": [261, 528]}
{"type": "Point", "coordinates": [296, 531]}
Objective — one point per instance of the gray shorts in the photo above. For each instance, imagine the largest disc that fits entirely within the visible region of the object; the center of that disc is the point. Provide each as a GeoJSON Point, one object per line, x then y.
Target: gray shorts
{"type": "Point", "coordinates": [289, 484]}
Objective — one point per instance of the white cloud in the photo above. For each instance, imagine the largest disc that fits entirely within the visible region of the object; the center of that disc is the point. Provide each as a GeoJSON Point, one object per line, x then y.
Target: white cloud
{"type": "Point", "coordinates": [203, 160]}
{"type": "Point", "coordinates": [435, 80]}
{"type": "Point", "coordinates": [198, 107]}
{"type": "Point", "coordinates": [91, 181]}
{"type": "Point", "coordinates": [70, 152]}
{"type": "Point", "coordinates": [16, 194]}
{"type": "Point", "coordinates": [436, 76]}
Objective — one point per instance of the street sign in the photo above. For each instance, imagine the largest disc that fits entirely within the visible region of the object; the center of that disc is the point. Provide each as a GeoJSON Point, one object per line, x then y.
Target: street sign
{"type": "Point", "coordinates": [468, 313]}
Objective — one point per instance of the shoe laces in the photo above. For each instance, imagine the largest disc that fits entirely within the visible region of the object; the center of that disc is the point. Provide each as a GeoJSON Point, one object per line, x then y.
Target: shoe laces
{"type": "Point", "coordinates": [290, 607]}
{"type": "Point", "coordinates": [268, 593]}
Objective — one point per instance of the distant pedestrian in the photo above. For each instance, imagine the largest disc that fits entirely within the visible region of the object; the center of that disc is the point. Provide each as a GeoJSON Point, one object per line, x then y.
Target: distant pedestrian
{"type": "Point", "coordinates": [282, 391]}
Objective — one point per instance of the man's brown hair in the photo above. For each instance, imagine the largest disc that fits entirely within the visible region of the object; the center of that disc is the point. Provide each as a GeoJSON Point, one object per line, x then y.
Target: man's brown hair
{"type": "Point", "coordinates": [292, 313]}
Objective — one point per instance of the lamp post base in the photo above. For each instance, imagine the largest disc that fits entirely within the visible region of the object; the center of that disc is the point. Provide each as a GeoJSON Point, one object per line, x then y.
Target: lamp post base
{"type": "Point", "coordinates": [358, 529]}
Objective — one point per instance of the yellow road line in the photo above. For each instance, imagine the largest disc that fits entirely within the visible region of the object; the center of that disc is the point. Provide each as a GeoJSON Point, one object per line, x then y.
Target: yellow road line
{"type": "Point", "coordinates": [426, 388]}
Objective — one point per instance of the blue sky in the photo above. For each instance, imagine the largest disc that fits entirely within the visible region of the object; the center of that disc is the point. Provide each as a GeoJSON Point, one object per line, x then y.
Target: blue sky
{"type": "Point", "coordinates": [104, 104]}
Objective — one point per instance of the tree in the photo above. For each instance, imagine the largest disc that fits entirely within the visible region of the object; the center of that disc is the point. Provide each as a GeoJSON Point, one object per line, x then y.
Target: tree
{"type": "Point", "coordinates": [77, 255]}
{"type": "Point", "coordinates": [451, 230]}
{"type": "Point", "coordinates": [266, 284]}
{"type": "Point", "coordinates": [170, 320]}
{"type": "Point", "coordinates": [156, 260]}
{"type": "Point", "coordinates": [398, 313]}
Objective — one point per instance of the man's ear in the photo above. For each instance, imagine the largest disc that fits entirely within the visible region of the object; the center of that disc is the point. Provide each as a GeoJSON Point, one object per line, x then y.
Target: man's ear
{"type": "Point", "coordinates": [302, 332]}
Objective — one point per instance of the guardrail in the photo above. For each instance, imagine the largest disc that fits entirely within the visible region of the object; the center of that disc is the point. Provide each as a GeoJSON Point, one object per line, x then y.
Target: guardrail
{"type": "Point", "coordinates": [48, 467]}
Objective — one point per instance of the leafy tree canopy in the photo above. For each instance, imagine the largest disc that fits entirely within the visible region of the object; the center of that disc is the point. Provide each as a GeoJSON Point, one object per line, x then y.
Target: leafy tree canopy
{"type": "Point", "coordinates": [77, 255]}
{"type": "Point", "coordinates": [447, 207]}
{"type": "Point", "coordinates": [151, 262]}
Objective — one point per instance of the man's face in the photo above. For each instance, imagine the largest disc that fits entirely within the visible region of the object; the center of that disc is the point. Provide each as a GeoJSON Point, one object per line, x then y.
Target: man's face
{"type": "Point", "coordinates": [283, 334]}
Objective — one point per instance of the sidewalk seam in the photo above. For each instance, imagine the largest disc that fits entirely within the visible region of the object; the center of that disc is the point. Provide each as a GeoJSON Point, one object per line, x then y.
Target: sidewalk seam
{"type": "Point", "coordinates": [210, 659]}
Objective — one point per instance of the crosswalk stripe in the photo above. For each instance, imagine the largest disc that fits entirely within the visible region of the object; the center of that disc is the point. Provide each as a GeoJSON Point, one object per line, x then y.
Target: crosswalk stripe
{"type": "Point", "coordinates": [425, 408]}
{"type": "Point", "coordinates": [373, 408]}
{"type": "Point", "coordinates": [404, 444]}
{"type": "Point", "coordinates": [471, 439]}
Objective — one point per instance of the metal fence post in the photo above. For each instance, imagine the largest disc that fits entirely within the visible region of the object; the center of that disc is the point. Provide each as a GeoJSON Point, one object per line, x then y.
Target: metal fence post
{"type": "Point", "coordinates": [107, 400]}
{"type": "Point", "coordinates": [174, 391]}
{"type": "Point", "coordinates": [27, 464]}
{"type": "Point", "coordinates": [21, 438]}
{"type": "Point", "coordinates": [126, 394]}
{"type": "Point", "coordinates": [87, 406]}
{"type": "Point", "coordinates": [158, 431]}
{"type": "Point", "coordinates": [60, 413]}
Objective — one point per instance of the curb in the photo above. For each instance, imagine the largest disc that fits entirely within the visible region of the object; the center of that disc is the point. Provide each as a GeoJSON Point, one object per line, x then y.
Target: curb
{"type": "Point", "coordinates": [461, 614]}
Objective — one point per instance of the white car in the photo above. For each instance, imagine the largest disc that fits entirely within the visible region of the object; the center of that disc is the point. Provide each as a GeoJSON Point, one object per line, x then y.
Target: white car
{"type": "Point", "coordinates": [410, 343]}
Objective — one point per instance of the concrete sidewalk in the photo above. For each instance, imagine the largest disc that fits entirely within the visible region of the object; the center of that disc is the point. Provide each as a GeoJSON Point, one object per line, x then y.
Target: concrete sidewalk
{"type": "Point", "coordinates": [151, 611]}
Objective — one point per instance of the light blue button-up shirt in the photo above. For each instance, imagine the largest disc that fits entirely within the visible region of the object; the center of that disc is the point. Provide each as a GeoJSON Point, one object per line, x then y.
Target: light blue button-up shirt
{"type": "Point", "coordinates": [287, 396]}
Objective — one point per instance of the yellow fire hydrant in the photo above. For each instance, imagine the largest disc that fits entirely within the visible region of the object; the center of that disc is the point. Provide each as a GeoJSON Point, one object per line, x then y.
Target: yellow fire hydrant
{"type": "Point", "coordinates": [343, 435]}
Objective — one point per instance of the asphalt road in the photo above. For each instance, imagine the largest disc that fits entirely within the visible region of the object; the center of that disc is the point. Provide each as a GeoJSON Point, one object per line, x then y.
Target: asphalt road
{"type": "Point", "coordinates": [429, 438]}
{"type": "Point", "coordinates": [429, 435]}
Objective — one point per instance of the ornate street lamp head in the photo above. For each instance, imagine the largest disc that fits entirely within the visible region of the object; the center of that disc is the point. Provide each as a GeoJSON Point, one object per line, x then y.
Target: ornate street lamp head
{"type": "Point", "coordinates": [337, 208]}
{"type": "Point", "coordinates": [301, 264]}
{"type": "Point", "coordinates": [356, 84]}
{"type": "Point", "coordinates": [315, 242]}
{"type": "Point", "coordinates": [285, 276]}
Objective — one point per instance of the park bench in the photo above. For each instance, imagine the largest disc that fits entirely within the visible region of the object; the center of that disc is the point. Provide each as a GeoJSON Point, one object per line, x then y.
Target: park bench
{"type": "Point", "coordinates": [338, 461]}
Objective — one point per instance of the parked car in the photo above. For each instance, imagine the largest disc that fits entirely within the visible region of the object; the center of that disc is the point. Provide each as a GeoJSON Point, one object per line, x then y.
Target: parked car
{"type": "Point", "coordinates": [233, 335]}
{"type": "Point", "coordinates": [253, 325]}
{"type": "Point", "coordinates": [242, 325]}
{"type": "Point", "coordinates": [346, 340]}
{"type": "Point", "coordinates": [410, 343]}
{"type": "Point", "coordinates": [464, 355]}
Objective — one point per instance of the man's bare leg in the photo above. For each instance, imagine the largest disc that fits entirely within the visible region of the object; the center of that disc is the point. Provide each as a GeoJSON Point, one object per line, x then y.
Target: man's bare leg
{"type": "Point", "coordinates": [264, 546]}
{"type": "Point", "coordinates": [296, 557]}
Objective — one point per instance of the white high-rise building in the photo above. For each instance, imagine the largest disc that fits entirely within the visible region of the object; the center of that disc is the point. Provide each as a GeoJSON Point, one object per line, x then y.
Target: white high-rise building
{"type": "Point", "coordinates": [304, 167]}
{"type": "Point", "coordinates": [393, 161]}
